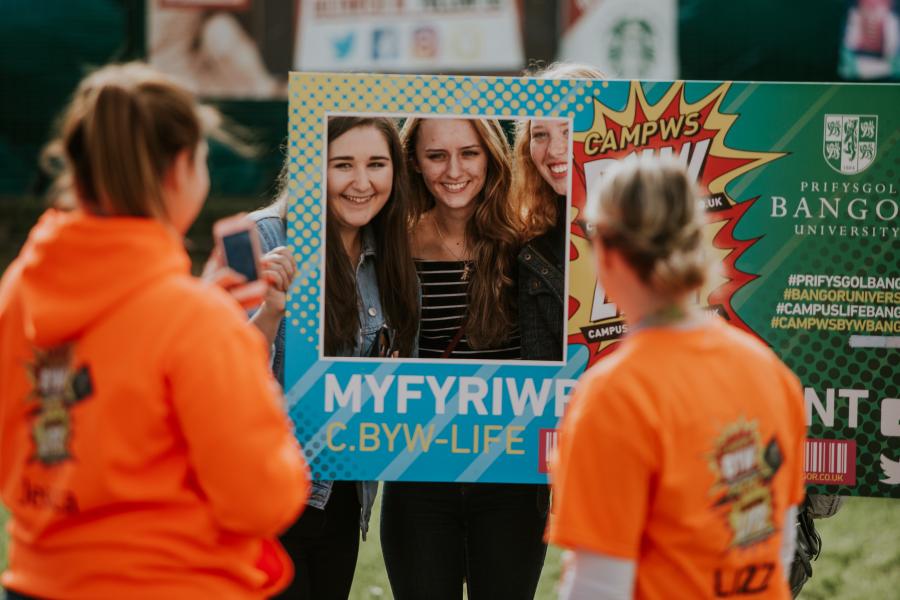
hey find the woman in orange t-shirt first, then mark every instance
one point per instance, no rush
(679, 469)
(144, 449)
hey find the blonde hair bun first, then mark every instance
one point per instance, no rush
(647, 207)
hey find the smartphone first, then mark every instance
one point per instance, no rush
(238, 242)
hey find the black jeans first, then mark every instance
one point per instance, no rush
(324, 545)
(434, 535)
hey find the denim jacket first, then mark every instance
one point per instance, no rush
(273, 233)
(541, 295)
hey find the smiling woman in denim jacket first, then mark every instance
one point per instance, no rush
(371, 309)
(540, 182)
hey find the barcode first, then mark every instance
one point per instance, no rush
(548, 440)
(827, 456)
(830, 461)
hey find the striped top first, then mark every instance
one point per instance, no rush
(444, 301)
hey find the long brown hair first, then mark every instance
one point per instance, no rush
(494, 228)
(536, 200)
(397, 283)
(119, 135)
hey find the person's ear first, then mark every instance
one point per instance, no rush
(179, 171)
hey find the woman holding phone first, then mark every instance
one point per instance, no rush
(540, 184)
(435, 536)
(127, 385)
(371, 309)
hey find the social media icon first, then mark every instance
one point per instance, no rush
(343, 45)
(891, 470)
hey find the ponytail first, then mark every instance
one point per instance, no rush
(120, 134)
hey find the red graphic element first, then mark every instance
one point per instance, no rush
(830, 462)
(693, 133)
(737, 279)
(548, 439)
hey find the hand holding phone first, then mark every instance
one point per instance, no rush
(278, 269)
(238, 245)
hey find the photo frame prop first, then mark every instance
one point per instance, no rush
(800, 185)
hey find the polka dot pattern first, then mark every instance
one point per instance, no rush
(822, 359)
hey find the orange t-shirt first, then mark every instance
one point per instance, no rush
(144, 449)
(682, 452)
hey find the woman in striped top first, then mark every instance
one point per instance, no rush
(445, 292)
(465, 239)
(436, 535)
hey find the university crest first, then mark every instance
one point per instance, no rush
(849, 142)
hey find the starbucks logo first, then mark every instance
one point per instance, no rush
(632, 48)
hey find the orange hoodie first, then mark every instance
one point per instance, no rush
(144, 452)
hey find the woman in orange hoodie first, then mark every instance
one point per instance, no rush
(144, 452)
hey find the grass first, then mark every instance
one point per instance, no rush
(860, 553)
(860, 557)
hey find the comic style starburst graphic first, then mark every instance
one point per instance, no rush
(694, 133)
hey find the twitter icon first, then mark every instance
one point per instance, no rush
(891, 470)
(343, 45)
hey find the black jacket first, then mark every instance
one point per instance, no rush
(541, 292)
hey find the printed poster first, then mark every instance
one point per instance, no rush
(410, 36)
(624, 39)
(870, 49)
(234, 49)
(801, 190)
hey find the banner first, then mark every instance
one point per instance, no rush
(871, 44)
(800, 186)
(235, 49)
(410, 35)
(624, 39)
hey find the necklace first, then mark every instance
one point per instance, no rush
(465, 274)
(670, 315)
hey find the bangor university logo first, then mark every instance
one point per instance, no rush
(849, 142)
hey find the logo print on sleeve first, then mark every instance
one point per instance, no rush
(57, 387)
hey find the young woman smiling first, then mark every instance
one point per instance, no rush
(540, 184)
(465, 238)
(370, 287)
(434, 536)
